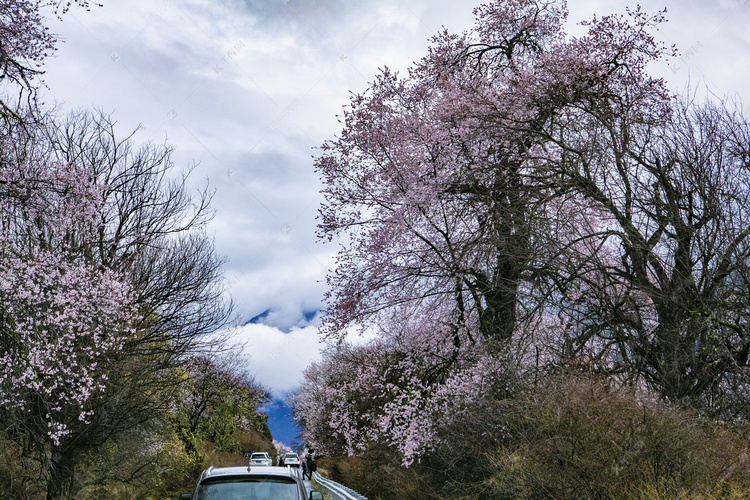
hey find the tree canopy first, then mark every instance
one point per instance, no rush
(108, 280)
(537, 200)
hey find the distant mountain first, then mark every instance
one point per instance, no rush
(274, 318)
(259, 319)
(310, 315)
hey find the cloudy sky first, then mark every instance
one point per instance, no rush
(248, 89)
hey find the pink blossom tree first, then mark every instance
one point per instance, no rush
(25, 42)
(108, 285)
(108, 281)
(145, 229)
(396, 391)
(438, 183)
(519, 179)
(442, 183)
(64, 318)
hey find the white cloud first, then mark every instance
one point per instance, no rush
(278, 358)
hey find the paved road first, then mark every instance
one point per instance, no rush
(308, 487)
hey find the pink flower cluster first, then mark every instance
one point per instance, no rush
(62, 315)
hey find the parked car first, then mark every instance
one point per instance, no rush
(291, 459)
(251, 483)
(260, 458)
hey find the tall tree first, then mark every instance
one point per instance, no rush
(151, 230)
(141, 231)
(662, 290)
(517, 174)
(518, 180)
(109, 280)
(440, 184)
(64, 318)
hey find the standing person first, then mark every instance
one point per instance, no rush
(309, 462)
(304, 468)
(312, 467)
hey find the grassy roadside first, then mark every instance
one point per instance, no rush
(317, 488)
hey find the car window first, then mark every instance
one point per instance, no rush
(263, 488)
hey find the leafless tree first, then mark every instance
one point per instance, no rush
(660, 291)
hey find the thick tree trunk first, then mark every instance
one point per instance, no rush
(498, 318)
(61, 474)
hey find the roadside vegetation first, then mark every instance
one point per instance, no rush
(136, 466)
(574, 437)
(551, 254)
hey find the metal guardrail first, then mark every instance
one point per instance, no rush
(336, 490)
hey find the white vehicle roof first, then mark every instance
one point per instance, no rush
(249, 471)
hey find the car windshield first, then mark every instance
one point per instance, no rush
(260, 488)
(257, 456)
(291, 455)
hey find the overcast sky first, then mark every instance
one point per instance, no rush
(248, 89)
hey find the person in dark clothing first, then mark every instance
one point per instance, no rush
(310, 466)
(313, 467)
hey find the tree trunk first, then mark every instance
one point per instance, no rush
(61, 474)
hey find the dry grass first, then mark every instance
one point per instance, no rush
(579, 437)
(569, 438)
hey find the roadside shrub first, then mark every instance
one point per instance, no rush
(246, 442)
(377, 474)
(567, 437)
(16, 476)
(132, 469)
(578, 437)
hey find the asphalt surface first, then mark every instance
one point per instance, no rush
(308, 486)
